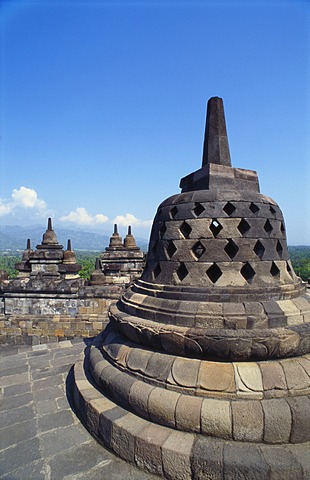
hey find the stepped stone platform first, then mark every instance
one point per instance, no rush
(203, 371)
(186, 436)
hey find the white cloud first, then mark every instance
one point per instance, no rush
(22, 198)
(5, 208)
(129, 219)
(82, 217)
(27, 198)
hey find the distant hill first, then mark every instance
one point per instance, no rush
(14, 238)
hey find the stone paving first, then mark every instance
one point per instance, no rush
(41, 438)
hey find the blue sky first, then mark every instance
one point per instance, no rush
(103, 105)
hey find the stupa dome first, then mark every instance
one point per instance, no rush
(204, 368)
(49, 237)
(218, 280)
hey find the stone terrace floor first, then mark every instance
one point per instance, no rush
(41, 437)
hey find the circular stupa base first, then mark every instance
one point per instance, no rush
(226, 421)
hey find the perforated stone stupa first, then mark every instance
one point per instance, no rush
(204, 369)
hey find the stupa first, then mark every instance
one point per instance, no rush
(49, 261)
(120, 263)
(204, 369)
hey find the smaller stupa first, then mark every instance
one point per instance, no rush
(121, 262)
(49, 259)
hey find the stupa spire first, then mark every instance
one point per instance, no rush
(215, 148)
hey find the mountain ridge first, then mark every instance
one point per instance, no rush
(14, 237)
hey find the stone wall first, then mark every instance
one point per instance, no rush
(37, 317)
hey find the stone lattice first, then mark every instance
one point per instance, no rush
(204, 369)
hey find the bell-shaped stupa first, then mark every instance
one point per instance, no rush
(204, 369)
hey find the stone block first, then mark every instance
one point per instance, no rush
(124, 431)
(248, 420)
(300, 408)
(244, 461)
(282, 464)
(148, 448)
(188, 413)
(106, 420)
(159, 366)
(207, 459)
(162, 405)
(273, 375)
(138, 398)
(278, 421)
(120, 389)
(185, 371)
(138, 359)
(248, 376)
(216, 376)
(296, 377)
(176, 456)
(216, 418)
(93, 410)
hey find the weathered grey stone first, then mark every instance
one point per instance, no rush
(188, 413)
(300, 408)
(248, 420)
(148, 448)
(296, 377)
(139, 396)
(162, 405)
(282, 463)
(185, 371)
(216, 418)
(124, 431)
(176, 455)
(106, 420)
(207, 459)
(273, 376)
(245, 462)
(277, 421)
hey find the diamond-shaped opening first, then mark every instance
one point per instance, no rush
(282, 227)
(254, 208)
(231, 249)
(243, 227)
(247, 272)
(259, 249)
(215, 227)
(275, 272)
(273, 211)
(289, 270)
(268, 227)
(185, 229)
(173, 212)
(157, 270)
(171, 249)
(182, 272)
(198, 209)
(229, 208)
(279, 248)
(214, 273)
(198, 249)
(162, 230)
